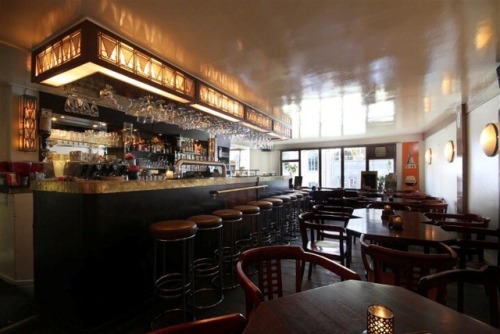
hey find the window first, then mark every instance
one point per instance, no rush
(338, 167)
(309, 167)
(331, 167)
(354, 164)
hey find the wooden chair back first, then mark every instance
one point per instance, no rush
(393, 205)
(324, 234)
(400, 267)
(268, 261)
(463, 219)
(223, 324)
(488, 277)
(333, 209)
(441, 207)
(476, 240)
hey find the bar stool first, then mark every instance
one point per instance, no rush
(173, 268)
(251, 215)
(208, 261)
(300, 202)
(286, 217)
(293, 215)
(263, 236)
(277, 235)
(231, 254)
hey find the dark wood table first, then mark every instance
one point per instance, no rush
(369, 221)
(341, 308)
(415, 231)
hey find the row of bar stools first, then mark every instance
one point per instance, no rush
(277, 231)
(173, 274)
(263, 236)
(230, 253)
(249, 226)
(207, 262)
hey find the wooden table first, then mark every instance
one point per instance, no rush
(341, 308)
(369, 221)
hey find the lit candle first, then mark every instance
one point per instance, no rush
(380, 320)
(170, 174)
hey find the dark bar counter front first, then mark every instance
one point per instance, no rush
(93, 254)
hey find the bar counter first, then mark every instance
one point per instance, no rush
(93, 254)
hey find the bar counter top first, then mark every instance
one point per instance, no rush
(117, 185)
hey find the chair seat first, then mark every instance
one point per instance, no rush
(263, 205)
(275, 201)
(173, 229)
(247, 209)
(206, 221)
(228, 214)
(329, 249)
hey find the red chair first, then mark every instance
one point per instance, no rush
(224, 324)
(268, 261)
(488, 277)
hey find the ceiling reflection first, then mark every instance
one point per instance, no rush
(340, 69)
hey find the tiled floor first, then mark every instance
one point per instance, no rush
(233, 302)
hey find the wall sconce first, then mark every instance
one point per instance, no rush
(380, 320)
(449, 151)
(428, 156)
(27, 124)
(489, 139)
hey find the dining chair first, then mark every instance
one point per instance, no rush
(472, 219)
(433, 206)
(324, 234)
(333, 209)
(223, 324)
(474, 240)
(437, 287)
(393, 205)
(387, 265)
(270, 283)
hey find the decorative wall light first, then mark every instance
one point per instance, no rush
(428, 156)
(449, 151)
(27, 123)
(215, 103)
(489, 139)
(87, 49)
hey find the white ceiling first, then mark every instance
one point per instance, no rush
(276, 53)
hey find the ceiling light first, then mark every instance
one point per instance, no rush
(87, 49)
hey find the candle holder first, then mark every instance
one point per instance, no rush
(380, 320)
(396, 222)
(387, 211)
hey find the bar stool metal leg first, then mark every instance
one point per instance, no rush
(173, 275)
(208, 261)
(230, 219)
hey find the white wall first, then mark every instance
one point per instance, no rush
(483, 181)
(440, 175)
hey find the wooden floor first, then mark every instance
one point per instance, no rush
(233, 302)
